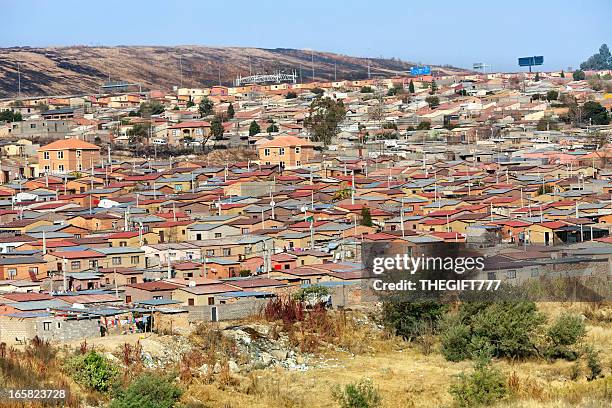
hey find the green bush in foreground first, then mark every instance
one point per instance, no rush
(93, 371)
(358, 395)
(484, 386)
(566, 331)
(148, 391)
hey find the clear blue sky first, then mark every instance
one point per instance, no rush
(446, 31)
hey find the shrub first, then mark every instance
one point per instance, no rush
(407, 318)
(284, 308)
(312, 293)
(565, 332)
(509, 327)
(593, 363)
(358, 395)
(148, 391)
(92, 371)
(455, 338)
(484, 386)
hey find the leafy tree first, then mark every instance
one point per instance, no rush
(317, 91)
(552, 95)
(366, 217)
(411, 87)
(407, 317)
(537, 77)
(595, 113)
(230, 111)
(139, 132)
(190, 103)
(272, 128)
(547, 123)
(599, 139)
(254, 128)
(325, 114)
(433, 87)
(216, 128)
(599, 61)
(395, 90)
(93, 371)
(290, 95)
(42, 107)
(424, 125)
(566, 331)
(147, 109)
(206, 107)
(433, 102)
(9, 116)
(562, 74)
(149, 391)
(315, 292)
(483, 387)
(366, 89)
(578, 75)
(358, 395)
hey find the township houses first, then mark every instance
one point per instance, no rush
(173, 226)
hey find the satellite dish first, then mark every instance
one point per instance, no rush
(192, 284)
(304, 208)
(272, 203)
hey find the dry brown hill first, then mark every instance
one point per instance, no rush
(82, 69)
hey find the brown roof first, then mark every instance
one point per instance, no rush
(155, 286)
(72, 144)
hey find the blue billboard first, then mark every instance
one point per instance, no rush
(424, 70)
(530, 61)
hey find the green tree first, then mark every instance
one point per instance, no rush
(433, 88)
(578, 75)
(216, 128)
(139, 132)
(230, 111)
(92, 370)
(483, 387)
(433, 102)
(254, 128)
(424, 125)
(562, 74)
(407, 317)
(272, 128)
(366, 89)
(411, 87)
(317, 91)
(552, 95)
(599, 61)
(324, 117)
(537, 77)
(595, 113)
(358, 395)
(547, 123)
(9, 116)
(206, 107)
(147, 109)
(290, 95)
(190, 103)
(149, 391)
(366, 217)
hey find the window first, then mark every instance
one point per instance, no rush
(46, 326)
(60, 167)
(298, 163)
(227, 251)
(210, 252)
(281, 151)
(157, 297)
(47, 168)
(297, 150)
(491, 276)
(217, 235)
(190, 302)
(60, 154)
(33, 269)
(116, 260)
(133, 280)
(511, 274)
(93, 264)
(282, 164)
(266, 152)
(32, 125)
(135, 259)
(122, 243)
(79, 167)
(46, 155)
(75, 265)
(78, 153)
(12, 273)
